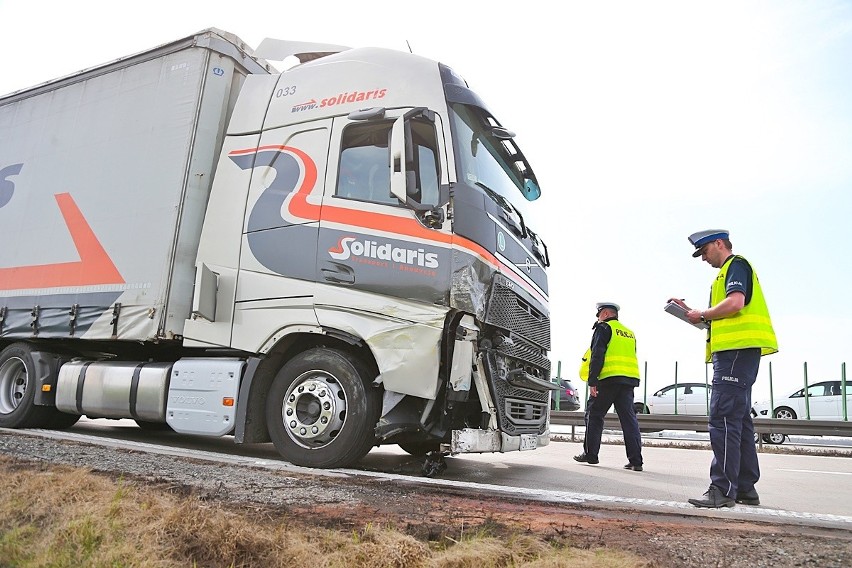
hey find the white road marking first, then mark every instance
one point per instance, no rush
(817, 471)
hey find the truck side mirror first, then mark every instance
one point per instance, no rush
(404, 166)
(403, 158)
(398, 179)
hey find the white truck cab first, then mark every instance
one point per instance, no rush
(330, 258)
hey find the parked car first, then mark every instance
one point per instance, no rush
(691, 398)
(768, 438)
(568, 396)
(824, 401)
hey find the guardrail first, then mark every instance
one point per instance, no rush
(657, 422)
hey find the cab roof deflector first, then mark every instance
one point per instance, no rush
(304, 51)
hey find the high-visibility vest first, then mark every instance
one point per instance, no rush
(620, 359)
(749, 327)
(584, 365)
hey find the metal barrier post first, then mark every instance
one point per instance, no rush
(843, 389)
(771, 413)
(645, 393)
(807, 395)
(675, 389)
(558, 382)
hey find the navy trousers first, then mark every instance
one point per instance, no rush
(734, 468)
(622, 397)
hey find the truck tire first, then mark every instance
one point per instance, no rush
(17, 390)
(321, 410)
(61, 420)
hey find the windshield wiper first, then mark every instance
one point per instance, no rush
(542, 255)
(508, 210)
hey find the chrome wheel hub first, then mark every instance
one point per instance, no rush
(13, 384)
(314, 409)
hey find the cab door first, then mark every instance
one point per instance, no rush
(277, 277)
(369, 241)
(823, 404)
(695, 400)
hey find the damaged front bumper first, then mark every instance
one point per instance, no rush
(472, 441)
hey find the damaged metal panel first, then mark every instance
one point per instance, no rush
(470, 282)
(471, 440)
(407, 351)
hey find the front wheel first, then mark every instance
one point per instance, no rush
(640, 408)
(785, 413)
(321, 410)
(774, 438)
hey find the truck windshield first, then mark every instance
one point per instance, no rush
(488, 157)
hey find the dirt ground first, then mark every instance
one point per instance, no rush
(664, 540)
(344, 502)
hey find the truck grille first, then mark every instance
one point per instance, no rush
(520, 410)
(519, 348)
(509, 311)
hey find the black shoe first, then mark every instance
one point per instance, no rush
(713, 499)
(748, 497)
(585, 458)
(633, 467)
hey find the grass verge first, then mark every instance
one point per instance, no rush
(60, 516)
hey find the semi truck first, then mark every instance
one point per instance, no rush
(329, 258)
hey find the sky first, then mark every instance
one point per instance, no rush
(644, 122)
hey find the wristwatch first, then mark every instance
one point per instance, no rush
(703, 318)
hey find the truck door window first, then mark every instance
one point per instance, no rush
(364, 172)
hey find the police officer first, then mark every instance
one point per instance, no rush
(611, 367)
(740, 333)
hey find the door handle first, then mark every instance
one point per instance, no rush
(338, 273)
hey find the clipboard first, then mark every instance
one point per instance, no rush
(678, 312)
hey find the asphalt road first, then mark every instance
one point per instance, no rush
(800, 489)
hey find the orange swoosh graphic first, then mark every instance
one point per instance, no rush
(94, 267)
(299, 207)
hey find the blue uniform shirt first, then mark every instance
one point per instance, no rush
(739, 278)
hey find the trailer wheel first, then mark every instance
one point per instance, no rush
(321, 410)
(17, 390)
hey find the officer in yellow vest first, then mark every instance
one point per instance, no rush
(612, 370)
(740, 333)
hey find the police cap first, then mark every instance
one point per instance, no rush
(701, 238)
(610, 305)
